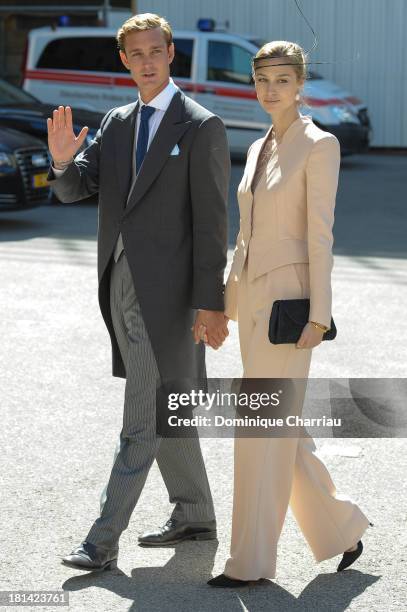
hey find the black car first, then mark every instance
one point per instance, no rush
(24, 163)
(22, 111)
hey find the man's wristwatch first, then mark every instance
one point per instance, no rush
(324, 328)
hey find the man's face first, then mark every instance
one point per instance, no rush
(148, 57)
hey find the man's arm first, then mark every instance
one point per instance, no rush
(209, 179)
(80, 178)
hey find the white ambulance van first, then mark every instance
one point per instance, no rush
(80, 66)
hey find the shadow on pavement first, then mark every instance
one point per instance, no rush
(181, 584)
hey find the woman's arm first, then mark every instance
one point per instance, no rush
(231, 285)
(322, 182)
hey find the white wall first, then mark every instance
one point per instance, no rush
(366, 39)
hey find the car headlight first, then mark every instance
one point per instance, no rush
(344, 114)
(7, 161)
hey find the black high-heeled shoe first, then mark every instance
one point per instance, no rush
(226, 581)
(349, 557)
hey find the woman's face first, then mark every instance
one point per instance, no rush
(276, 86)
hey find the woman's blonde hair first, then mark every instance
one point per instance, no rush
(285, 49)
(140, 23)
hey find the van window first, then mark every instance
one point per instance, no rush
(95, 54)
(228, 62)
(314, 76)
(181, 64)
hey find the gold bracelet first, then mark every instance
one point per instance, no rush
(319, 326)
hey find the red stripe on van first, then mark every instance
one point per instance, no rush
(126, 81)
(354, 100)
(231, 92)
(89, 79)
(69, 77)
(325, 102)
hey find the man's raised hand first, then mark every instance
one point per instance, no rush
(62, 142)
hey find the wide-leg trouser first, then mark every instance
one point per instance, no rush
(272, 473)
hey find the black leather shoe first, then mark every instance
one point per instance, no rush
(349, 557)
(175, 531)
(225, 581)
(89, 557)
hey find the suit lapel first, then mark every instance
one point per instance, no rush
(169, 132)
(245, 195)
(125, 126)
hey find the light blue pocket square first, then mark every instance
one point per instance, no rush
(175, 150)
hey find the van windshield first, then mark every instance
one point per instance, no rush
(93, 54)
(10, 94)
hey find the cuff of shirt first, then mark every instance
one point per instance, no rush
(57, 171)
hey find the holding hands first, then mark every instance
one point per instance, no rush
(211, 326)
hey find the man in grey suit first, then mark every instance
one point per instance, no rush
(161, 167)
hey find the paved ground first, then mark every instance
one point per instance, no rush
(61, 414)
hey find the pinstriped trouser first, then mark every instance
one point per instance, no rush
(179, 459)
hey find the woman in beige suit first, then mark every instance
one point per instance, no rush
(284, 250)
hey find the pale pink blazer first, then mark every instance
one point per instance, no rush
(301, 184)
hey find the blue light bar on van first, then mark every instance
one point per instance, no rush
(64, 20)
(206, 25)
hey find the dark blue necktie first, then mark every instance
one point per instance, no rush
(142, 138)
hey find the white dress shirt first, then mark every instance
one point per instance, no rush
(161, 102)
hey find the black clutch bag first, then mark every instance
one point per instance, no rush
(287, 320)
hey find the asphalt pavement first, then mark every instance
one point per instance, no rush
(62, 410)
